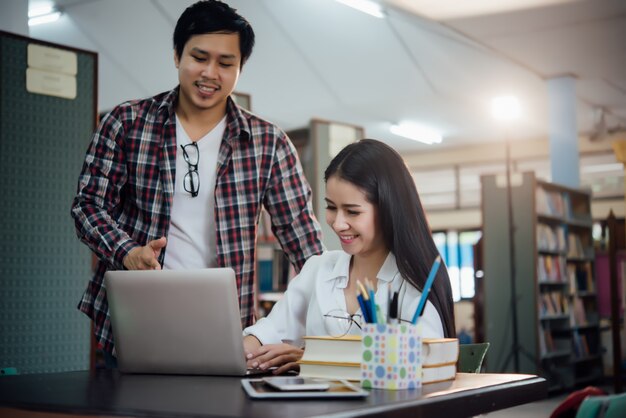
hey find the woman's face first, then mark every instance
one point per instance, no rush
(353, 218)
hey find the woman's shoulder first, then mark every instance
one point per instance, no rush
(324, 261)
(327, 257)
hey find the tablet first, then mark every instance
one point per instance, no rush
(258, 389)
(295, 383)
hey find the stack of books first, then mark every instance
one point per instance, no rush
(340, 358)
(439, 358)
(332, 358)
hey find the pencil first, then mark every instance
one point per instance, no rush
(427, 286)
(359, 298)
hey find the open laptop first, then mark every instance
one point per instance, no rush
(176, 321)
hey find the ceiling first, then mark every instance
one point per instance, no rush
(438, 66)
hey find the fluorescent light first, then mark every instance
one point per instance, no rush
(417, 133)
(43, 14)
(451, 9)
(366, 6)
(505, 108)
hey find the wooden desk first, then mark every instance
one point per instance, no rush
(112, 393)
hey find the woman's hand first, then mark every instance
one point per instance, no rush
(283, 356)
(250, 345)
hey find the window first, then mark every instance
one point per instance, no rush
(457, 251)
(457, 186)
(437, 188)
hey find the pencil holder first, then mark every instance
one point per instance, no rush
(391, 356)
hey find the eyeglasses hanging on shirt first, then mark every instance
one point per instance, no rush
(191, 181)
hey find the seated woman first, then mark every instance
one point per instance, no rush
(373, 206)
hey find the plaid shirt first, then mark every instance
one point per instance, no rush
(126, 188)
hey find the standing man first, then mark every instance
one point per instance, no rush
(178, 180)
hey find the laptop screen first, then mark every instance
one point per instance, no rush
(176, 321)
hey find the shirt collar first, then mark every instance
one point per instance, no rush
(341, 269)
(169, 100)
(237, 126)
(387, 272)
(389, 269)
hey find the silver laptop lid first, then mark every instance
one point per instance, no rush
(176, 321)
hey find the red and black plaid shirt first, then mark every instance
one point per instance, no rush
(126, 187)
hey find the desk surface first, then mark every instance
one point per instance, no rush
(112, 393)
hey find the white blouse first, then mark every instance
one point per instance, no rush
(319, 289)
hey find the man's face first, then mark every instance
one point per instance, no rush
(208, 70)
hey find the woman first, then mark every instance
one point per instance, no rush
(374, 208)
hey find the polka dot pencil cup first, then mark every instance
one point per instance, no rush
(391, 356)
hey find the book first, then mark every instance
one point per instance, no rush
(441, 373)
(438, 351)
(340, 358)
(330, 370)
(346, 349)
(265, 274)
(439, 358)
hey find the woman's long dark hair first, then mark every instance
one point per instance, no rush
(380, 172)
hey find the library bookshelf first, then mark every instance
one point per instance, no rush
(557, 304)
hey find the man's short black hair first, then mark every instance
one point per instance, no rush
(213, 16)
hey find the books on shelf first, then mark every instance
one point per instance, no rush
(553, 303)
(575, 247)
(550, 238)
(550, 268)
(580, 277)
(439, 351)
(273, 268)
(580, 345)
(265, 273)
(578, 316)
(549, 203)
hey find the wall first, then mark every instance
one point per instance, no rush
(14, 16)
(44, 267)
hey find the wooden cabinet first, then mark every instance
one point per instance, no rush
(556, 299)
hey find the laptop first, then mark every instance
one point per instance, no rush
(176, 321)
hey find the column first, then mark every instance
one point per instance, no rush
(562, 131)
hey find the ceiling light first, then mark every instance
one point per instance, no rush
(43, 14)
(366, 6)
(417, 133)
(505, 108)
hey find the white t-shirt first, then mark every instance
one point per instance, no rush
(191, 238)
(319, 289)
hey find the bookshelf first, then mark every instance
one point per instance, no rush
(558, 319)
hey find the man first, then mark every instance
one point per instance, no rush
(178, 180)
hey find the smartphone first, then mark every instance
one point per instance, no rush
(290, 383)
